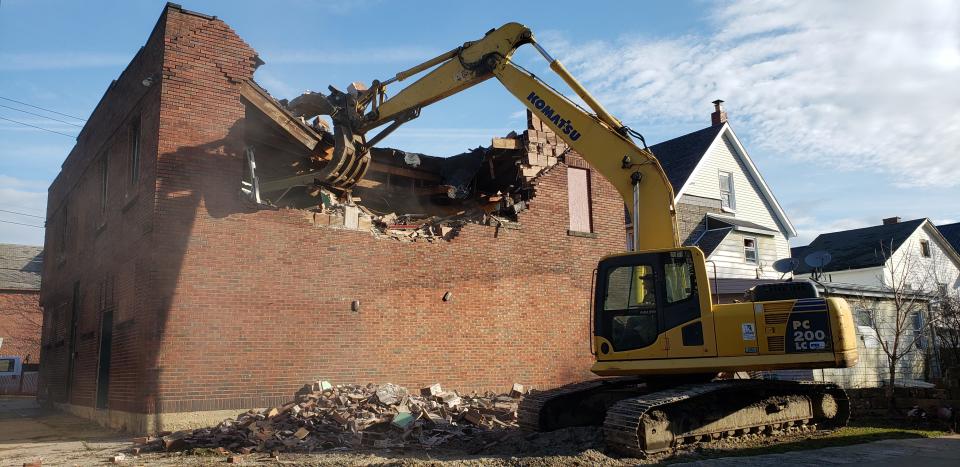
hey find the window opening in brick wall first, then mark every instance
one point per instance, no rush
(728, 199)
(578, 196)
(925, 248)
(104, 161)
(64, 234)
(135, 150)
(750, 250)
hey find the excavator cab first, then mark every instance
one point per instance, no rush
(654, 314)
(641, 295)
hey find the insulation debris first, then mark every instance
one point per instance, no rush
(325, 417)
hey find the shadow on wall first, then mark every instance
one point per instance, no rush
(194, 185)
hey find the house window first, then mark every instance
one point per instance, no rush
(863, 317)
(918, 337)
(104, 161)
(750, 250)
(925, 248)
(728, 199)
(578, 196)
(135, 150)
(64, 234)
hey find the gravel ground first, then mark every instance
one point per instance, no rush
(28, 434)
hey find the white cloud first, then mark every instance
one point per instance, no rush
(351, 56)
(852, 85)
(277, 87)
(33, 61)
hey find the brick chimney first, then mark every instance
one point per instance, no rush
(719, 115)
(891, 220)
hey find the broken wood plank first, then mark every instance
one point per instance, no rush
(263, 102)
(404, 172)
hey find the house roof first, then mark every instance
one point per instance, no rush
(858, 248)
(799, 252)
(20, 266)
(680, 156)
(717, 221)
(710, 239)
(951, 232)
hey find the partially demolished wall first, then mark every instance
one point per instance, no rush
(220, 305)
(403, 195)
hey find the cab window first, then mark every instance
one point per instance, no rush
(630, 301)
(678, 272)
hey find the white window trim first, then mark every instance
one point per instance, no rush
(756, 250)
(733, 192)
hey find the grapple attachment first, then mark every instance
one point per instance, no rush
(351, 156)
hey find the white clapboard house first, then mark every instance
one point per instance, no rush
(725, 207)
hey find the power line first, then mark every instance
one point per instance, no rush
(41, 108)
(23, 214)
(21, 223)
(35, 211)
(38, 127)
(40, 115)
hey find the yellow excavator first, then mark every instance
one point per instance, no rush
(658, 337)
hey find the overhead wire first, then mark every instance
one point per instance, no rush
(40, 115)
(21, 223)
(23, 214)
(41, 108)
(37, 127)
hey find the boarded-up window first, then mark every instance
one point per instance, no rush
(135, 150)
(727, 198)
(104, 171)
(578, 196)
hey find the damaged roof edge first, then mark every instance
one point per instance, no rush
(405, 195)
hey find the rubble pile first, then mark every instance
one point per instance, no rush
(324, 417)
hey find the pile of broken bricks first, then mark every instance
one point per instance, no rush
(342, 417)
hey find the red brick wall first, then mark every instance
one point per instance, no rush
(229, 308)
(20, 320)
(107, 254)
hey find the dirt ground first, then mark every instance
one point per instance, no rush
(29, 434)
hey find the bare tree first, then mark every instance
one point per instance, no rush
(908, 284)
(947, 329)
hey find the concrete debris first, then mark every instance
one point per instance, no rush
(327, 417)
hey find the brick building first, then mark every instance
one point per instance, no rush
(170, 300)
(20, 317)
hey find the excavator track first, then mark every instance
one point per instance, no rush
(567, 405)
(661, 420)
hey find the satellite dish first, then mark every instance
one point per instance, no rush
(818, 259)
(785, 265)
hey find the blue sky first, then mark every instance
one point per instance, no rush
(850, 109)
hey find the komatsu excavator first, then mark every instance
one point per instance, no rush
(657, 334)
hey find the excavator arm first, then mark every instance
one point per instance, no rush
(597, 137)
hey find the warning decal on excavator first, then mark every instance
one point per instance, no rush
(808, 329)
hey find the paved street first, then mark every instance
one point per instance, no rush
(28, 434)
(917, 452)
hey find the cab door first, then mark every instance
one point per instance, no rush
(686, 328)
(627, 308)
